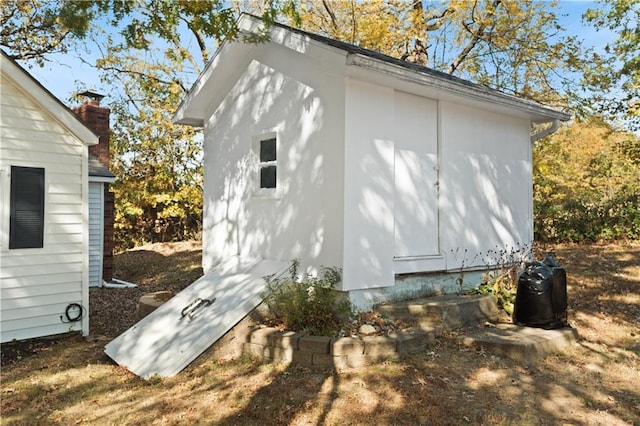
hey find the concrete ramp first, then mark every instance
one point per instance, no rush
(167, 340)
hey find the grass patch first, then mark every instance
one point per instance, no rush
(593, 382)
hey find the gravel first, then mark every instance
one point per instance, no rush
(154, 267)
(112, 310)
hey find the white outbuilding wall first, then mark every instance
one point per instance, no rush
(430, 185)
(371, 179)
(384, 169)
(369, 188)
(486, 185)
(288, 96)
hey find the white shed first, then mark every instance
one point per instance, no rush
(339, 156)
(44, 190)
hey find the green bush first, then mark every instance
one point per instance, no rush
(579, 220)
(587, 184)
(309, 304)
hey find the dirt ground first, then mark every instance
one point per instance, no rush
(597, 381)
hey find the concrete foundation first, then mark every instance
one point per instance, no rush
(524, 344)
(448, 312)
(413, 286)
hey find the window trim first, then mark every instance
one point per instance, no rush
(256, 144)
(268, 164)
(14, 242)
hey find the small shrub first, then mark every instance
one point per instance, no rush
(308, 304)
(463, 264)
(502, 285)
(501, 278)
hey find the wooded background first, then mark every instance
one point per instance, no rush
(586, 176)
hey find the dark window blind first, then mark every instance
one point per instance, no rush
(27, 207)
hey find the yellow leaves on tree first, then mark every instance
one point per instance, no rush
(587, 183)
(513, 46)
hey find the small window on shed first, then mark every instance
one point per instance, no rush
(27, 208)
(268, 163)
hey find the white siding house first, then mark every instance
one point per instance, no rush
(339, 156)
(44, 192)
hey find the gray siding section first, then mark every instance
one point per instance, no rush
(96, 230)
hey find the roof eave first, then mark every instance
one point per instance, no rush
(102, 179)
(188, 121)
(190, 112)
(467, 90)
(185, 114)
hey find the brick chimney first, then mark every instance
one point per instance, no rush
(97, 119)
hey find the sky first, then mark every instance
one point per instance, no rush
(66, 74)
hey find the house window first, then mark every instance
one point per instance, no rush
(27, 207)
(268, 163)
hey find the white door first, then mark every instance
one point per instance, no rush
(168, 339)
(415, 176)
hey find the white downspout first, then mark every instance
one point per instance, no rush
(555, 125)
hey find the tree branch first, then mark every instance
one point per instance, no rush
(199, 39)
(477, 36)
(332, 15)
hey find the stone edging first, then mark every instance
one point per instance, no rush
(273, 345)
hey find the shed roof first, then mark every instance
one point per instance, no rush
(44, 98)
(99, 172)
(360, 62)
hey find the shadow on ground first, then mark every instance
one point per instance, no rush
(593, 382)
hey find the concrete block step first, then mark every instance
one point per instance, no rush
(524, 344)
(448, 312)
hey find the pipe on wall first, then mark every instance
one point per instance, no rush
(555, 125)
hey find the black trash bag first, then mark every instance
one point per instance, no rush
(541, 297)
(558, 290)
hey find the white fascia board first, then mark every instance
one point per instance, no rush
(222, 70)
(471, 91)
(205, 91)
(39, 95)
(103, 179)
(193, 108)
(185, 112)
